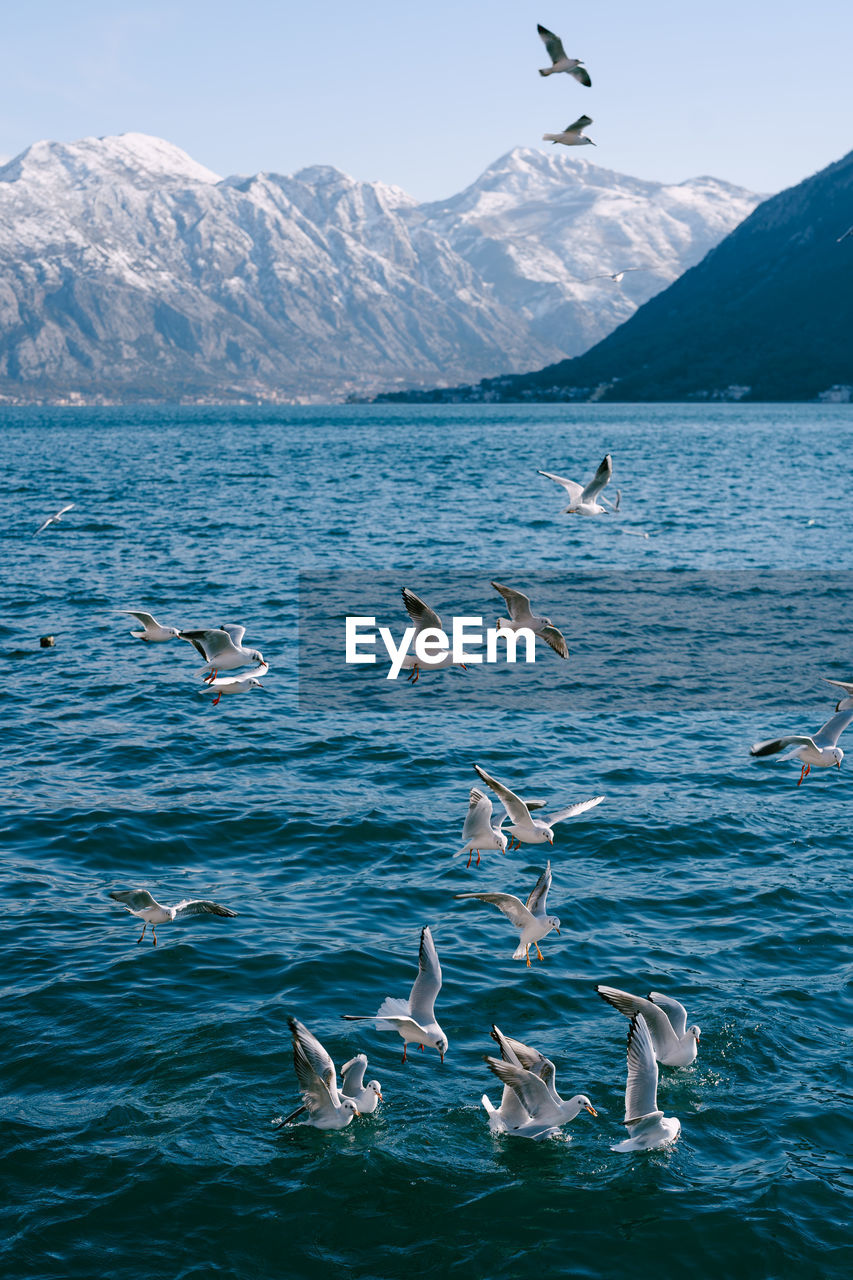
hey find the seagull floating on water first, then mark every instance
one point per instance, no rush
(512, 1114)
(520, 615)
(237, 684)
(152, 631)
(559, 61)
(54, 518)
(414, 1019)
(327, 1108)
(648, 1127)
(222, 649)
(528, 917)
(477, 831)
(582, 501)
(352, 1086)
(820, 750)
(524, 828)
(140, 903)
(675, 1044)
(539, 1112)
(572, 135)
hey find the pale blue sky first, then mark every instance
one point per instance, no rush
(426, 95)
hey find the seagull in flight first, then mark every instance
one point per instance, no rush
(222, 649)
(140, 903)
(414, 1019)
(54, 518)
(151, 629)
(846, 703)
(572, 135)
(524, 828)
(820, 750)
(521, 615)
(616, 276)
(539, 1111)
(327, 1108)
(675, 1044)
(424, 619)
(528, 917)
(647, 1126)
(237, 684)
(584, 501)
(559, 61)
(477, 831)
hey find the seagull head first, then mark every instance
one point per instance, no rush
(441, 1046)
(348, 1105)
(581, 1100)
(554, 922)
(838, 755)
(695, 1032)
(377, 1089)
(258, 657)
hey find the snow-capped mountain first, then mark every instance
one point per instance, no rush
(127, 270)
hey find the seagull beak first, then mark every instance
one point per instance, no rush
(838, 764)
(557, 931)
(358, 1113)
(379, 1096)
(441, 1055)
(592, 1111)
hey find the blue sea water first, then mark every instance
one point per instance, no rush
(138, 1084)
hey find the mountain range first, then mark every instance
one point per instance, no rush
(130, 272)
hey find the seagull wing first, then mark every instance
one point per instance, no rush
(352, 1074)
(515, 807)
(428, 982)
(421, 614)
(673, 1009)
(478, 819)
(653, 1016)
(582, 75)
(536, 902)
(572, 488)
(602, 475)
(580, 123)
(134, 899)
(530, 1089)
(641, 1091)
(315, 1070)
(145, 618)
(773, 745)
(829, 733)
(846, 685)
(555, 639)
(573, 810)
(200, 907)
(235, 632)
(527, 1057)
(211, 642)
(512, 907)
(516, 601)
(552, 43)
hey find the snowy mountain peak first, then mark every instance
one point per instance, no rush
(132, 158)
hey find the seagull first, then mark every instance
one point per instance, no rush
(820, 750)
(647, 1126)
(414, 1019)
(528, 917)
(140, 903)
(559, 61)
(315, 1071)
(524, 828)
(365, 1096)
(511, 1114)
(424, 618)
(617, 276)
(237, 684)
(675, 1044)
(478, 832)
(846, 703)
(572, 135)
(222, 649)
(538, 1111)
(54, 518)
(520, 615)
(582, 502)
(152, 631)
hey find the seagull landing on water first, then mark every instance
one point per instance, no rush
(528, 917)
(820, 750)
(477, 831)
(140, 903)
(520, 615)
(584, 501)
(222, 649)
(54, 518)
(572, 135)
(524, 828)
(675, 1044)
(537, 1111)
(236, 684)
(559, 61)
(414, 1019)
(648, 1127)
(327, 1108)
(365, 1096)
(151, 629)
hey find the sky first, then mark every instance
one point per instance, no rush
(425, 96)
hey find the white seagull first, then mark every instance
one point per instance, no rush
(414, 1019)
(318, 1081)
(151, 629)
(237, 684)
(424, 618)
(559, 61)
(582, 502)
(647, 1126)
(528, 917)
(512, 1115)
(477, 831)
(365, 1096)
(54, 518)
(820, 750)
(539, 1111)
(521, 615)
(222, 649)
(616, 276)
(675, 1044)
(846, 703)
(140, 903)
(572, 135)
(524, 828)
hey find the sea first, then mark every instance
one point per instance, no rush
(139, 1085)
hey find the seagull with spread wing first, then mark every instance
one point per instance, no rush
(616, 276)
(55, 518)
(222, 649)
(675, 1044)
(425, 619)
(538, 1111)
(327, 1108)
(140, 903)
(820, 750)
(529, 917)
(583, 501)
(647, 1125)
(559, 61)
(521, 615)
(151, 631)
(572, 135)
(477, 831)
(524, 828)
(414, 1019)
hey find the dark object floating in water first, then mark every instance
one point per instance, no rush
(47, 642)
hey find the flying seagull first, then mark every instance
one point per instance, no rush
(477, 831)
(821, 750)
(318, 1081)
(151, 629)
(559, 61)
(583, 501)
(675, 1044)
(539, 1111)
(222, 649)
(140, 903)
(648, 1127)
(54, 518)
(617, 276)
(524, 828)
(528, 917)
(520, 615)
(237, 684)
(414, 1019)
(424, 619)
(572, 135)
